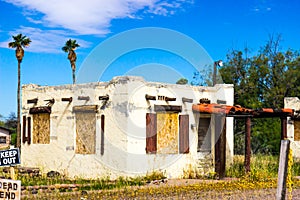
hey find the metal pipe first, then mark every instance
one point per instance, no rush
(247, 144)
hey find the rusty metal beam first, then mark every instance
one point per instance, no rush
(247, 144)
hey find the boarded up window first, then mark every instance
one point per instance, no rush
(85, 130)
(204, 135)
(183, 134)
(151, 136)
(41, 128)
(297, 130)
(167, 133)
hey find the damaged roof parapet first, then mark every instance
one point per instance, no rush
(125, 79)
(149, 97)
(105, 97)
(34, 101)
(70, 99)
(85, 98)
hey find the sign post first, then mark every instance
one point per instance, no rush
(10, 189)
(9, 157)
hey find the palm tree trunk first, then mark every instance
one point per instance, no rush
(73, 73)
(18, 143)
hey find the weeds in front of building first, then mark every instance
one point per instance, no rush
(263, 176)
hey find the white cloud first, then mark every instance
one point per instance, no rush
(45, 41)
(58, 20)
(92, 16)
(262, 6)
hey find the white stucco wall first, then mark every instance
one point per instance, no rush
(125, 127)
(293, 103)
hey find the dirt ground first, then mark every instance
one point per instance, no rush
(170, 189)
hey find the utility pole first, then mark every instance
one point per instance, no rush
(218, 63)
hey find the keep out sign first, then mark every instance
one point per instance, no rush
(10, 189)
(9, 157)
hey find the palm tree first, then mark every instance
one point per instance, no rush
(19, 42)
(70, 47)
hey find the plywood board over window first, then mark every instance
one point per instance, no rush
(41, 128)
(297, 130)
(167, 133)
(85, 129)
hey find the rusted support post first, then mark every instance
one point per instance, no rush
(283, 128)
(247, 144)
(282, 170)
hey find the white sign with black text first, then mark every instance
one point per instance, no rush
(10, 189)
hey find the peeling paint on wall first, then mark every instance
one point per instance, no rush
(167, 133)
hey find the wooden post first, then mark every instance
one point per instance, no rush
(283, 128)
(220, 145)
(12, 173)
(282, 171)
(247, 144)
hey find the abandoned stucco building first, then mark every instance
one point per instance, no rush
(125, 127)
(293, 124)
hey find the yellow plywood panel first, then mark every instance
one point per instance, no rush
(297, 130)
(85, 132)
(167, 133)
(41, 128)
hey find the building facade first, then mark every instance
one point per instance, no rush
(125, 127)
(293, 124)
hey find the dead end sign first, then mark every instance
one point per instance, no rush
(9, 157)
(10, 189)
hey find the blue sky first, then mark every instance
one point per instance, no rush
(218, 26)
